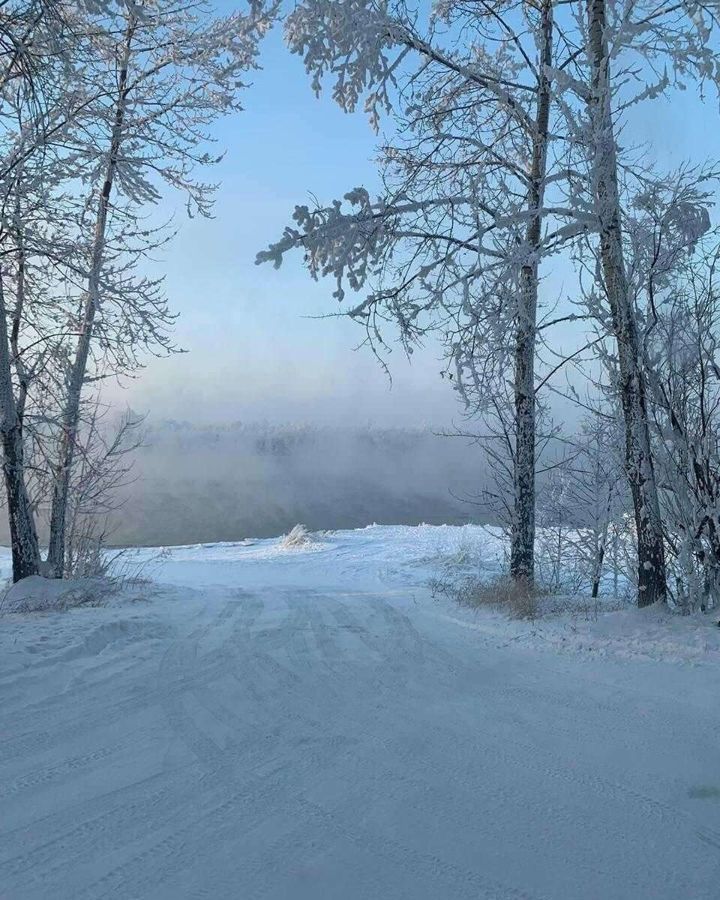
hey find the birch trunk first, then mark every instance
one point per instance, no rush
(76, 378)
(522, 550)
(23, 534)
(638, 454)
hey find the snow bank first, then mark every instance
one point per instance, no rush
(401, 561)
(631, 633)
(38, 594)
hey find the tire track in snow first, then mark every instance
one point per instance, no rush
(47, 775)
(161, 829)
(671, 817)
(171, 852)
(149, 809)
(168, 853)
(429, 865)
(175, 680)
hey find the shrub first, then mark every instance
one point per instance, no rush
(518, 599)
(299, 536)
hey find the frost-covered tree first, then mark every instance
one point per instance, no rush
(664, 220)
(682, 334)
(39, 101)
(163, 73)
(633, 51)
(475, 184)
(431, 254)
(104, 107)
(595, 495)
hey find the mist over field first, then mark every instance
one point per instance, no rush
(257, 480)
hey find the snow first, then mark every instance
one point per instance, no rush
(310, 723)
(38, 594)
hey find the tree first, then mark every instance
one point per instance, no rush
(103, 470)
(687, 415)
(164, 73)
(645, 36)
(102, 107)
(455, 242)
(37, 105)
(596, 497)
(633, 390)
(683, 364)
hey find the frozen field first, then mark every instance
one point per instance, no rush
(312, 725)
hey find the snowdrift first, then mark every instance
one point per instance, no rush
(38, 594)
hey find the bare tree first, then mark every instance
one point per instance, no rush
(38, 101)
(627, 53)
(165, 72)
(103, 469)
(455, 243)
(633, 390)
(102, 106)
(25, 550)
(684, 374)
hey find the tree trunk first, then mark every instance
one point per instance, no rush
(522, 550)
(638, 453)
(23, 534)
(597, 575)
(76, 378)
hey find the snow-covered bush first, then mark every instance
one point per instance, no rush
(39, 594)
(299, 536)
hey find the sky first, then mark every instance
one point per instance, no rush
(256, 350)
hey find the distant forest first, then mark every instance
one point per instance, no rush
(192, 484)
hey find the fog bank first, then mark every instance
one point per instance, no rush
(226, 483)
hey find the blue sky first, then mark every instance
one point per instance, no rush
(253, 351)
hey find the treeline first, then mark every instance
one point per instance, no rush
(506, 153)
(192, 484)
(172, 483)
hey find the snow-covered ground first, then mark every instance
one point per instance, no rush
(311, 723)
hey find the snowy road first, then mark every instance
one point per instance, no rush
(344, 739)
